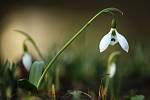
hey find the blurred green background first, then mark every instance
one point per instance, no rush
(52, 23)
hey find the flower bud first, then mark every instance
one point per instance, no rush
(27, 60)
(112, 70)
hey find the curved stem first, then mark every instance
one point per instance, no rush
(32, 42)
(112, 59)
(81, 92)
(92, 98)
(109, 10)
(37, 49)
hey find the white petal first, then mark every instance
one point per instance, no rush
(112, 70)
(104, 43)
(122, 41)
(27, 61)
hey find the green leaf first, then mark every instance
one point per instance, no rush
(25, 84)
(36, 72)
(137, 97)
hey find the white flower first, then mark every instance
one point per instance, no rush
(112, 70)
(111, 38)
(27, 60)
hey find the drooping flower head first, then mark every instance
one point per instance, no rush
(112, 38)
(27, 58)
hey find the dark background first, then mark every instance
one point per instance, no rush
(64, 18)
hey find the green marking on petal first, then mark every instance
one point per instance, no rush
(113, 33)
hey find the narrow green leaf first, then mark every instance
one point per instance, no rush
(36, 72)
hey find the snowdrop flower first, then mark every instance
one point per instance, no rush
(112, 70)
(27, 60)
(112, 38)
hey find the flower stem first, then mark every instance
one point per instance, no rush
(32, 42)
(104, 94)
(107, 10)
